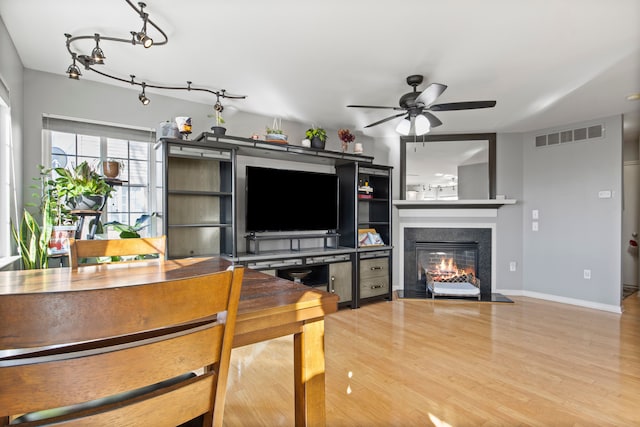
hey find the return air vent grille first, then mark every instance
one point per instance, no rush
(573, 135)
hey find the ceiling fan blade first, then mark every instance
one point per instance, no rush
(433, 120)
(385, 120)
(430, 94)
(470, 105)
(375, 106)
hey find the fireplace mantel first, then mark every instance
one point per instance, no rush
(453, 204)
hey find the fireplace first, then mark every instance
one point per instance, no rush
(447, 261)
(446, 253)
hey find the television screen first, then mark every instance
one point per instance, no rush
(288, 200)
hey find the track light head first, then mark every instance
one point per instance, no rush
(143, 97)
(97, 55)
(144, 39)
(74, 71)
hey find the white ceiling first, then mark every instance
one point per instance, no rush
(546, 63)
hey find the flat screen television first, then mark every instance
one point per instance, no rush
(290, 200)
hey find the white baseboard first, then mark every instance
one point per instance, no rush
(563, 300)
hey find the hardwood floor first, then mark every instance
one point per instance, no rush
(456, 363)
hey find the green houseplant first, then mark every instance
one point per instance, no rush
(218, 129)
(317, 136)
(275, 132)
(81, 187)
(131, 231)
(32, 240)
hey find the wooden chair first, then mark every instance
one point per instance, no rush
(90, 249)
(149, 355)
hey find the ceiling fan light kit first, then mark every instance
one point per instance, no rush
(416, 107)
(141, 37)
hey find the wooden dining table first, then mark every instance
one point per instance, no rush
(269, 307)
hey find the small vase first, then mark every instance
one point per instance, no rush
(87, 202)
(111, 169)
(345, 146)
(218, 130)
(317, 142)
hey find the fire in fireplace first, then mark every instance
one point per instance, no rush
(447, 261)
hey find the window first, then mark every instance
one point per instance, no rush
(69, 143)
(6, 169)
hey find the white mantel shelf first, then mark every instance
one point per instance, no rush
(453, 204)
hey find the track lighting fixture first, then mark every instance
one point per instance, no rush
(73, 70)
(145, 40)
(141, 37)
(143, 97)
(97, 55)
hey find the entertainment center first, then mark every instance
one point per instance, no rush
(318, 217)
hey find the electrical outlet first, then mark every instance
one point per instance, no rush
(535, 214)
(512, 266)
(587, 274)
(534, 226)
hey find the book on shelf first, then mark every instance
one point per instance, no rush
(369, 237)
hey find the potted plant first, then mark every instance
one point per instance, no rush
(32, 240)
(111, 167)
(346, 137)
(218, 129)
(317, 136)
(275, 133)
(131, 231)
(82, 187)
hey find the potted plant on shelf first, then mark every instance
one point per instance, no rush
(82, 188)
(317, 136)
(275, 133)
(218, 129)
(111, 167)
(346, 137)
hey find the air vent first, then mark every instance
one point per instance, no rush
(572, 135)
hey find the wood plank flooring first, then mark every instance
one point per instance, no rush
(456, 363)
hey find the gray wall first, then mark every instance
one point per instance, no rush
(509, 160)
(473, 181)
(47, 93)
(577, 229)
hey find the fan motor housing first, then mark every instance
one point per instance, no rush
(408, 100)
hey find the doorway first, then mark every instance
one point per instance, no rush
(630, 227)
(631, 205)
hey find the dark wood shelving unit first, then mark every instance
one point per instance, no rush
(199, 213)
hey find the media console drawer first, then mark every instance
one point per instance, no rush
(374, 277)
(374, 267)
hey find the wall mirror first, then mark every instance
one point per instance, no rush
(448, 167)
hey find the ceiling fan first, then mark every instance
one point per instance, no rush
(417, 106)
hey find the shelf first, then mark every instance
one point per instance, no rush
(253, 147)
(374, 200)
(453, 204)
(197, 225)
(200, 193)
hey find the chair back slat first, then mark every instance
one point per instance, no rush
(142, 335)
(72, 316)
(81, 250)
